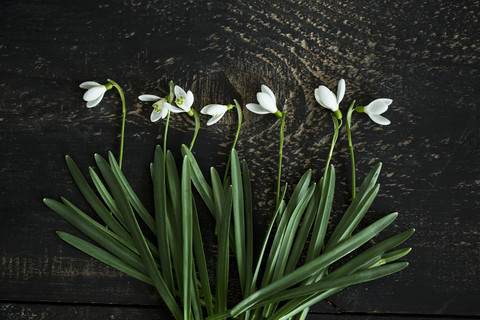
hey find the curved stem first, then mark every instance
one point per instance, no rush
(240, 117)
(124, 114)
(337, 124)
(169, 99)
(350, 146)
(280, 156)
(197, 128)
(165, 135)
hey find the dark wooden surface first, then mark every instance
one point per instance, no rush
(422, 54)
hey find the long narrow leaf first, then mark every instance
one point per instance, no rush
(97, 233)
(248, 211)
(223, 252)
(103, 256)
(310, 268)
(140, 241)
(107, 198)
(93, 200)
(201, 261)
(161, 220)
(132, 197)
(238, 217)
(187, 228)
(199, 181)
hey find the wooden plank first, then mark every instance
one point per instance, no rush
(424, 55)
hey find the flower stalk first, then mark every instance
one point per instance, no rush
(280, 157)
(350, 147)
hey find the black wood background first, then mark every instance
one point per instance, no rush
(424, 54)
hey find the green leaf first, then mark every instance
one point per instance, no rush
(248, 212)
(352, 216)
(132, 197)
(238, 217)
(132, 224)
(332, 283)
(323, 214)
(122, 248)
(199, 181)
(223, 253)
(107, 198)
(160, 204)
(187, 239)
(312, 267)
(93, 200)
(103, 256)
(201, 261)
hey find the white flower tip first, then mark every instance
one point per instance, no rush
(340, 90)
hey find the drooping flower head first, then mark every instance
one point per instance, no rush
(329, 100)
(160, 111)
(183, 100)
(95, 92)
(217, 111)
(375, 108)
(266, 103)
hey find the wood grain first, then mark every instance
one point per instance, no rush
(422, 54)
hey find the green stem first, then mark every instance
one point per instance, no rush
(169, 98)
(350, 146)
(240, 117)
(124, 114)
(165, 135)
(280, 156)
(197, 128)
(337, 123)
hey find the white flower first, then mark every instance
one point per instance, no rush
(183, 101)
(160, 107)
(328, 99)
(267, 103)
(94, 94)
(376, 108)
(216, 111)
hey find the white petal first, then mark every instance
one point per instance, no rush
(266, 102)
(256, 108)
(326, 98)
(149, 97)
(269, 92)
(340, 90)
(379, 119)
(93, 103)
(378, 106)
(155, 116)
(179, 92)
(215, 119)
(213, 109)
(94, 92)
(173, 108)
(189, 100)
(89, 84)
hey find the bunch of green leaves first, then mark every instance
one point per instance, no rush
(292, 271)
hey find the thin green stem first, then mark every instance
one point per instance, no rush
(197, 128)
(350, 146)
(337, 124)
(124, 114)
(166, 132)
(240, 117)
(280, 156)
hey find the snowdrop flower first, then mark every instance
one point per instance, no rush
(184, 101)
(216, 111)
(160, 107)
(374, 110)
(267, 103)
(329, 100)
(95, 92)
